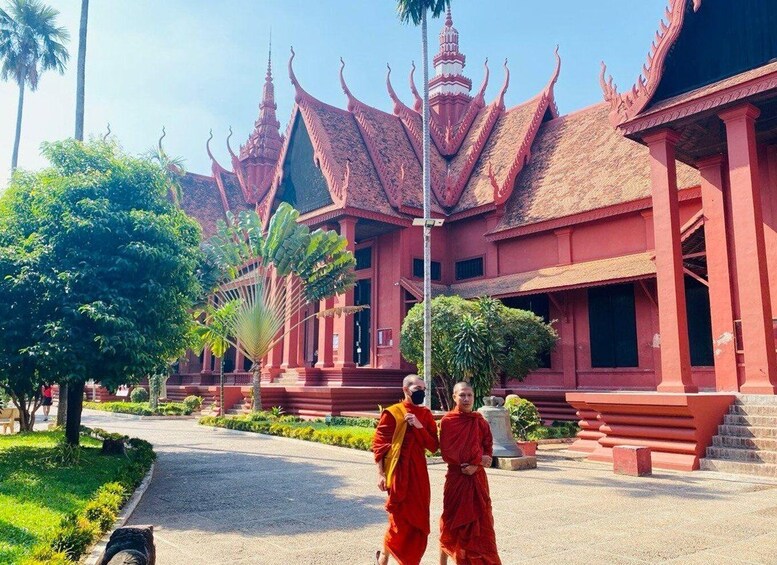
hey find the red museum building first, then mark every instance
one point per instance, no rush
(645, 226)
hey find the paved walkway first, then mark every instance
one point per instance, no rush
(220, 497)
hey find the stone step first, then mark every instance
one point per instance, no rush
(754, 410)
(750, 420)
(739, 467)
(747, 455)
(756, 399)
(739, 442)
(747, 431)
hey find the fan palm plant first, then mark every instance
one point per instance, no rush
(415, 11)
(269, 275)
(30, 44)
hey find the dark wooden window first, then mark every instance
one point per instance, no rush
(363, 258)
(469, 268)
(612, 321)
(697, 305)
(418, 269)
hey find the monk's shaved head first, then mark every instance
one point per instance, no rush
(411, 380)
(464, 396)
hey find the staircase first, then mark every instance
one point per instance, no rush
(747, 440)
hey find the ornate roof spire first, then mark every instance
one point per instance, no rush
(449, 89)
(264, 143)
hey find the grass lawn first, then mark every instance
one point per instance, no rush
(35, 493)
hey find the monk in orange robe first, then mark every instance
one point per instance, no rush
(467, 522)
(404, 432)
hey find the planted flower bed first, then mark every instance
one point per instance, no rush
(55, 501)
(355, 433)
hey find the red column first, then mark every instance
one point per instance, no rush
(239, 359)
(672, 316)
(343, 325)
(721, 310)
(325, 330)
(752, 277)
(291, 329)
(206, 360)
(275, 356)
(568, 346)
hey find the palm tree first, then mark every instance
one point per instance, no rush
(212, 325)
(415, 11)
(81, 76)
(271, 274)
(30, 44)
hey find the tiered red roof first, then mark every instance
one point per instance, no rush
(525, 161)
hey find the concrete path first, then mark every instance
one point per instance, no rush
(220, 497)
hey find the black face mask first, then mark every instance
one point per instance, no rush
(418, 397)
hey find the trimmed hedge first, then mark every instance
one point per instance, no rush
(78, 531)
(139, 394)
(308, 431)
(142, 408)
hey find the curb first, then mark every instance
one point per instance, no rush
(98, 550)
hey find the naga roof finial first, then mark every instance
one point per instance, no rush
(344, 86)
(107, 133)
(506, 83)
(418, 106)
(482, 91)
(216, 167)
(229, 147)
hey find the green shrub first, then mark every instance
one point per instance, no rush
(193, 403)
(358, 422)
(139, 394)
(75, 536)
(524, 417)
(45, 555)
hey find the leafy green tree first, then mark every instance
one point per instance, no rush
(271, 273)
(21, 372)
(415, 11)
(31, 43)
(477, 341)
(117, 264)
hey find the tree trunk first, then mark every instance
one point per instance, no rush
(26, 409)
(154, 386)
(81, 76)
(15, 156)
(75, 403)
(427, 374)
(222, 409)
(62, 405)
(257, 374)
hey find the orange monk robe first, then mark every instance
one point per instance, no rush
(467, 523)
(409, 494)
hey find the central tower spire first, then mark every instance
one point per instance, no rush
(449, 89)
(261, 152)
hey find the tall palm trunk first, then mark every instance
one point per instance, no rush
(257, 374)
(221, 388)
(15, 156)
(427, 227)
(81, 77)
